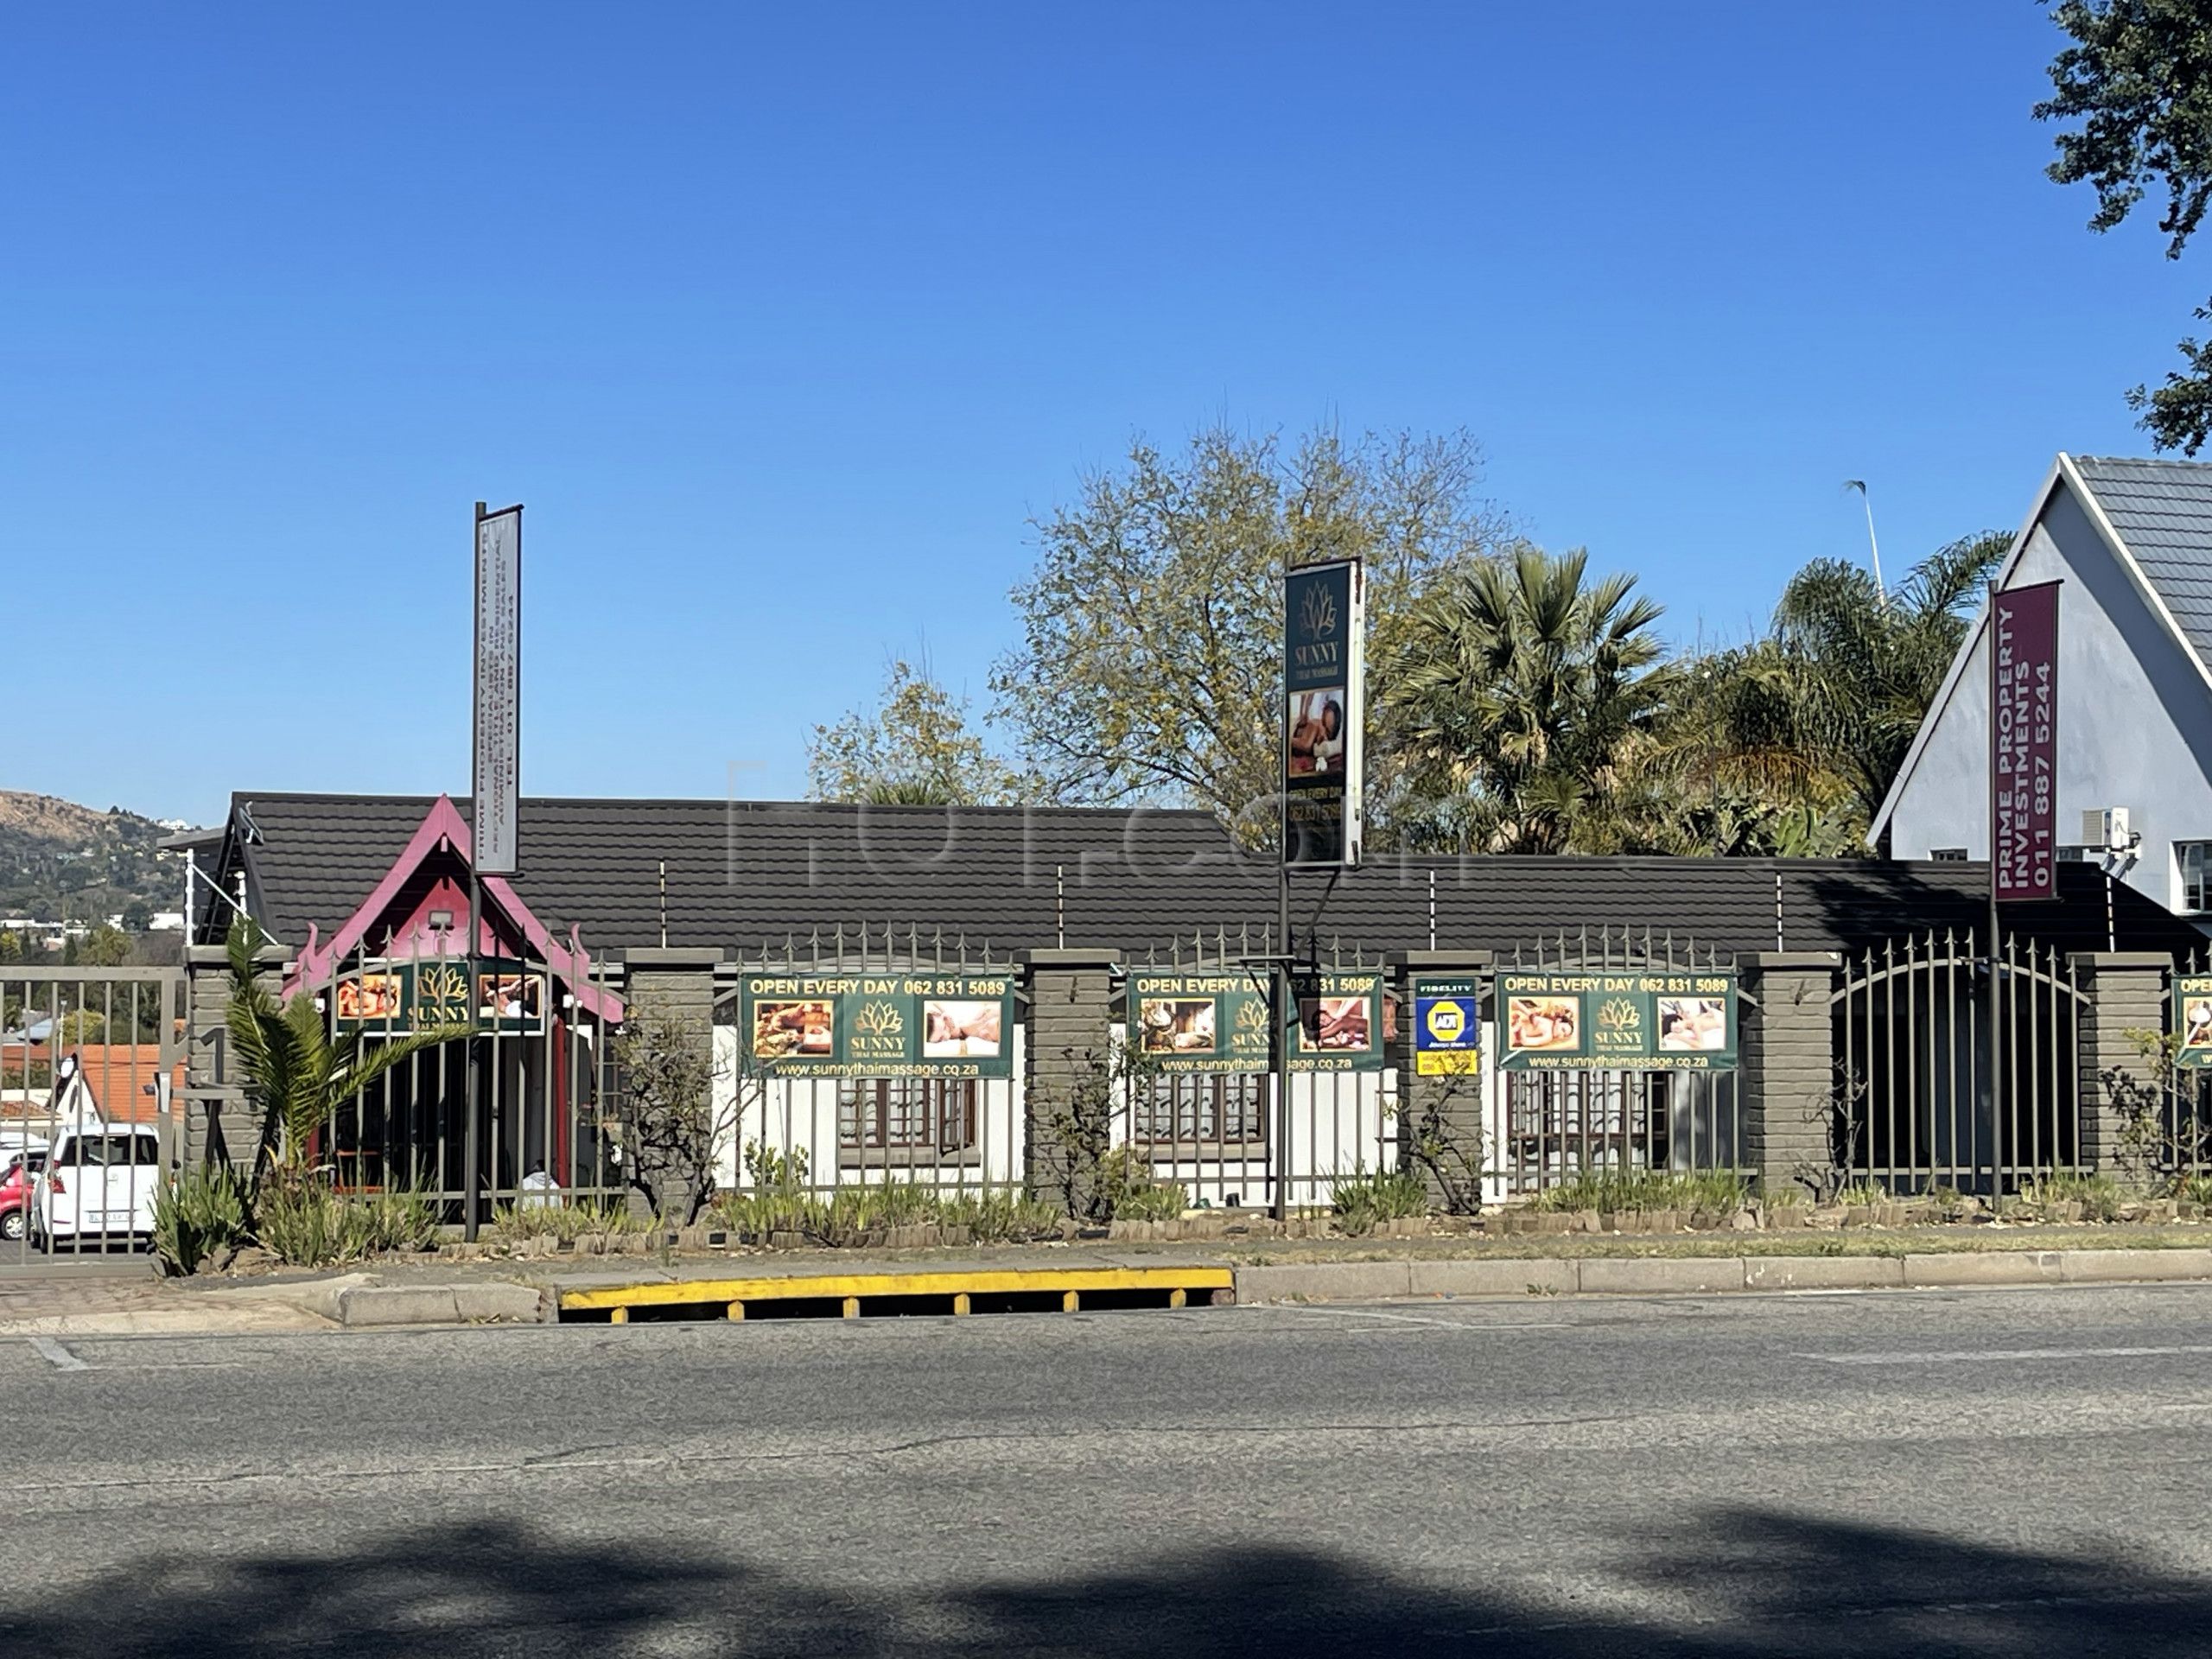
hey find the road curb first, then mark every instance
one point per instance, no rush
(1597, 1275)
(362, 1306)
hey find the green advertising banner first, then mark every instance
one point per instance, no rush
(1626, 1021)
(398, 997)
(884, 1024)
(2192, 1022)
(1218, 1022)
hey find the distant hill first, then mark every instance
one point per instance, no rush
(62, 861)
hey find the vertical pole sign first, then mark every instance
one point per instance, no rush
(1323, 683)
(2023, 799)
(498, 688)
(494, 784)
(1325, 627)
(2024, 743)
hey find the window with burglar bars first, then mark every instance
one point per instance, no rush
(1199, 1108)
(938, 1113)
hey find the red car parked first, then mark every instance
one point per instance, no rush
(15, 1193)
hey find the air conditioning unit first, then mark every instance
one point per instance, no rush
(2106, 829)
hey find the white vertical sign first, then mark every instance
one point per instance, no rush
(496, 779)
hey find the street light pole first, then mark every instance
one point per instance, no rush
(1873, 547)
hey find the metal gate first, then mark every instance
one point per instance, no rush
(1551, 1127)
(544, 1083)
(91, 1060)
(1915, 1082)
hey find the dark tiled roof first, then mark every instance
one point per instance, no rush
(745, 875)
(2163, 511)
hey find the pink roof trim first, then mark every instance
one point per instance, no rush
(444, 826)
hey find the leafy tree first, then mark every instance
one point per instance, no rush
(1522, 696)
(915, 749)
(2139, 77)
(1149, 662)
(138, 916)
(105, 947)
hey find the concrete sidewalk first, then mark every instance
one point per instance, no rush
(435, 1291)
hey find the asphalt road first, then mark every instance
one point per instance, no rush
(1988, 1472)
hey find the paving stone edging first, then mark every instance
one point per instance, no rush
(1344, 1282)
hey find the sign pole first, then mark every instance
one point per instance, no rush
(1282, 1010)
(495, 800)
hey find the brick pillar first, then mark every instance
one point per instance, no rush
(1445, 1112)
(215, 1119)
(1070, 1025)
(678, 981)
(1787, 1084)
(2125, 991)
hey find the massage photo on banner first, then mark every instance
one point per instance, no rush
(960, 1030)
(1318, 742)
(1692, 1025)
(783, 1030)
(1543, 1024)
(1168, 1025)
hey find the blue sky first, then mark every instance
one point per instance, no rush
(783, 322)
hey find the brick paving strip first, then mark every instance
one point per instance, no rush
(436, 1290)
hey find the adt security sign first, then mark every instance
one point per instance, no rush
(1447, 1028)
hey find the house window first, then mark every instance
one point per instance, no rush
(933, 1114)
(2082, 855)
(1948, 855)
(1200, 1108)
(2195, 858)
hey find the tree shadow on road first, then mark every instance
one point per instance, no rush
(1740, 1583)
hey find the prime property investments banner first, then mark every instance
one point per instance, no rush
(1325, 627)
(2024, 743)
(1579, 1021)
(880, 1025)
(2192, 1022)
(397, 997)
(1218, 1022)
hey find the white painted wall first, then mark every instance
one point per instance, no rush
(800, 1115)
(2134, 718)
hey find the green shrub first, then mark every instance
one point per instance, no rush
(1361, 1200)
(1126, 1183)
(406, 1219)
(566, 1222)
(1720, 1190)
(2194, 1189)
(303, 1222)
(2099, 1196)
(1865, 1191)
(203, 1215)
(1000, 1217)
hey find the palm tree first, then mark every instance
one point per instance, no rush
(294, 1067)
(1858, 675)
(1523, 697)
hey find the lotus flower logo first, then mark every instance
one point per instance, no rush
(879, 1020)
(1252, 1015)
(1317, 612)
(1619, 1015)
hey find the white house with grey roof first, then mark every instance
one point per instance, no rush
(2132, 541)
